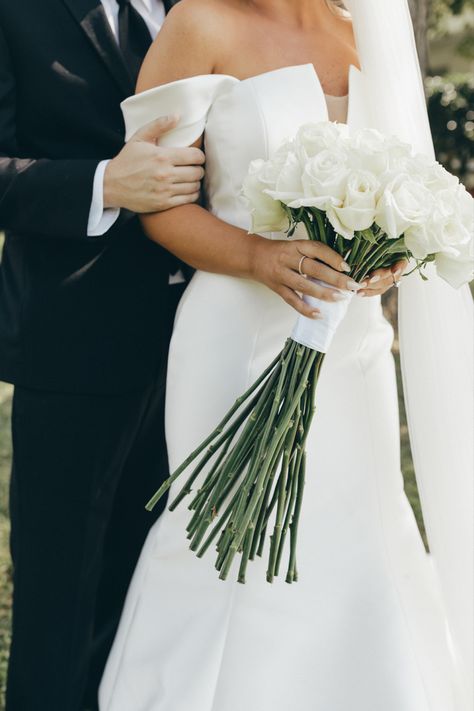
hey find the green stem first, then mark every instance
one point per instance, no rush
(242, 524)
(216, 432)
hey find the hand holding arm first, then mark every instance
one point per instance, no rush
(53, 197)
(145, 177)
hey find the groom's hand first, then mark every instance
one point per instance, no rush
(145, 177)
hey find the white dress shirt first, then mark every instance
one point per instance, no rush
(153, 12)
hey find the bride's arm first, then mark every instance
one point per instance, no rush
(187, 46)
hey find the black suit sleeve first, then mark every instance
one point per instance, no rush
(38, 196)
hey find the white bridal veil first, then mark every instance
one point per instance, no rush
(435, 339)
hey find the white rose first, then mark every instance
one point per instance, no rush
(403, 204)
(457, 266)
(463, 205)
(419, 240)
(324, 180)
(267, 214)
(368, 150)
(431, 173)
(312, 138)
(288, 186)
(451, 224)
(454, 212)
(398, 152)
(358, 209)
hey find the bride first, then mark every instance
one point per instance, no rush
(365, 627)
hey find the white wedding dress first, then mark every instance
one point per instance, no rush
(363, 629)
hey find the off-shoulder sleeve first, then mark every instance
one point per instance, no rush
(190, 98)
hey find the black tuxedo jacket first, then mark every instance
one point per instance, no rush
(77, 314)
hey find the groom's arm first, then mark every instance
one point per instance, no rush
(43, 196)
(54, 197)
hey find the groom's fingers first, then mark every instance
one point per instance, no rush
(178, 200)
(188, 174)
(184, 156)
(186, 188)
(152, 132)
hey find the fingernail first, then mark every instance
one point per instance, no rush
(354, 286)
(397, 273)
(361, 294)
(345, 267)
(338, 296)
(374, 279)
(316, 314)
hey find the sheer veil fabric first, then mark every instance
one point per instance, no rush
(435, 323)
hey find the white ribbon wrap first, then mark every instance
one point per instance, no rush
(318, 333)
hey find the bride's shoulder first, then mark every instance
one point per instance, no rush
(202, 17)
(188, 44)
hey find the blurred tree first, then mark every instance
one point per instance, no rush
(419, 11)
(429, 15)
(440, 8)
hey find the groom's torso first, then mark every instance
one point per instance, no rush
(85, 315)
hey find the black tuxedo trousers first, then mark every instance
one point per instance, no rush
(84, 331)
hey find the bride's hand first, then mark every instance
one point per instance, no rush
(382, 280)
(277, 264)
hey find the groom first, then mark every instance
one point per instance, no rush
(85, 318)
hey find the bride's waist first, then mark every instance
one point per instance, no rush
(234, 298)
(222, 311)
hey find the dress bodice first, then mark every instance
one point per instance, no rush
(241, 120)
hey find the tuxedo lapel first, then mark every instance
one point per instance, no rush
(91, 17)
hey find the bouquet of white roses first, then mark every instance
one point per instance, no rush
(369, 198)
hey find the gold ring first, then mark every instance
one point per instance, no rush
(301, 264)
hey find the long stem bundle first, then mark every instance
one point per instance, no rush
(255, 458)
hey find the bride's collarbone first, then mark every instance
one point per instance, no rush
(331, 65)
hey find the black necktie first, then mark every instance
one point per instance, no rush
(134, 37)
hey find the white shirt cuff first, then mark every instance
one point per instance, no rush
(100, 219)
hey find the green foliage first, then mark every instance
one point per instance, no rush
(451, 111)
(440, 8)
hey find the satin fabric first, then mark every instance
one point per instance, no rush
(364, 628)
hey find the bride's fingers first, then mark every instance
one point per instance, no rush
(321, 252)
(380, 282)
(308, 287)
(292, 298)
(380, 288)
(338, 280)
(389, 274)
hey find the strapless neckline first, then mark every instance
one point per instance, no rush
(337, 107)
